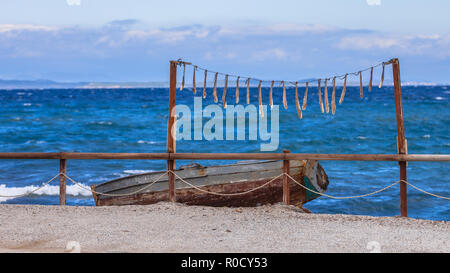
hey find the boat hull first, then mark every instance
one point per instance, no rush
(227, 181)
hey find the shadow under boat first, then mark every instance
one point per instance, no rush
(223, 179)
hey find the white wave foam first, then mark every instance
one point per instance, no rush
(426, 136)
(27, 104)
(101, 122)
(146, 142)
(361, 137)
(105, 122)
(35, 141)
(98, 179)
(120, 175)
(72, 190)
(136, 171)
(439, 98)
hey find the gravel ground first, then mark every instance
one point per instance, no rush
(167, 227)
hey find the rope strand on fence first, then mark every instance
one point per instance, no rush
(342, 197)
(223, 194)
(33, 191)
(367, 194)
(259, 187)
(424, 191)
(113, 194)
(227, 194)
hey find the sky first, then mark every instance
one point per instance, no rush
(133, 40)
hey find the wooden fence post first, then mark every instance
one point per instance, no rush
(171, 138)
(286, 190)
(62, 182)
(401, 140)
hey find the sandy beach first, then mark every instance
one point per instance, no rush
(167, 227)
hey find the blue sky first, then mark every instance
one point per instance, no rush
(110, 40)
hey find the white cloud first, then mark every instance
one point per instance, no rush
(370, 42)
(292, 51)
(74, 2)
(294, 28)
(282, 29)
(170, 36)
(274, 42)
(433, 45)
(373, 2)
(24, 27)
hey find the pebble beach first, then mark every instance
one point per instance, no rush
(173, 227)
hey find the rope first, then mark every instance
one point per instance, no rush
(180, 62)
(227, 194)
(342, 197)
(112, 194)
(224, 194)
(367, 194)
(31, 192)
(424, 191)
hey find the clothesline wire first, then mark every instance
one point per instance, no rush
(341, 77)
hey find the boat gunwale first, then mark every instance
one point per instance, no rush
(177, 179)
(202, 167)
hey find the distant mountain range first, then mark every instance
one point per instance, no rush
(49, 84)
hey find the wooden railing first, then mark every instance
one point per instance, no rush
(230, 156)
(171, 157)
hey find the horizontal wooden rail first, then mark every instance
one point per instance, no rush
(230, 156)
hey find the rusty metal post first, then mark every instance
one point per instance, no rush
(171, 138)
(62, 182)
(286, 190)
(401, 140)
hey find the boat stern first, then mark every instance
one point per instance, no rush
(315, 179)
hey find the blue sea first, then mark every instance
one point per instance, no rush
(134, 120)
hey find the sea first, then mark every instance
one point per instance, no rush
(135, 120)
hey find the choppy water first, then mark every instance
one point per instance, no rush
(134, 120)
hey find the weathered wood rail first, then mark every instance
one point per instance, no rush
(230, 156)
(286, 156)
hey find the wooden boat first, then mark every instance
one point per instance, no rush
(224, 179)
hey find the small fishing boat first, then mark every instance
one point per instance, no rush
(222, 180)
